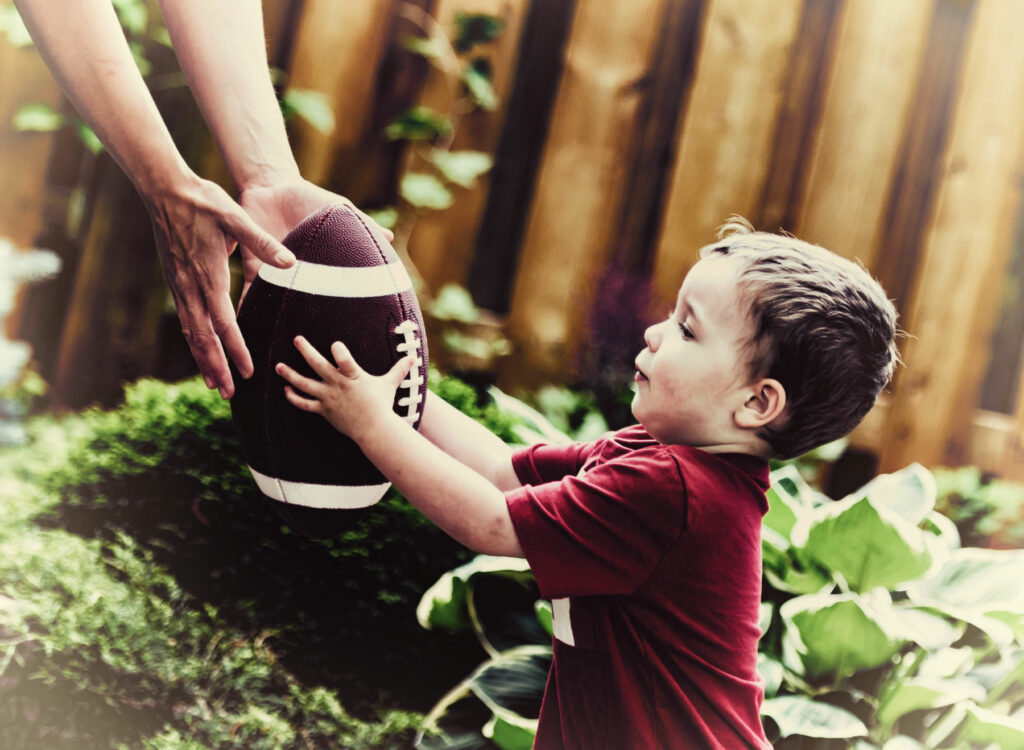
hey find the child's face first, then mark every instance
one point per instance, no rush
(691, 374)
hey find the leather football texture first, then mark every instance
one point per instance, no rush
(347, 285)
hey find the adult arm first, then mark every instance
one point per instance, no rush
(230, 79)
(196, 224)
(463, 499)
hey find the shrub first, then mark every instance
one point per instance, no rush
(162, 477)
(101, 648)
(988, 511)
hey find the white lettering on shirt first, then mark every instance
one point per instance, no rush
(561, 622)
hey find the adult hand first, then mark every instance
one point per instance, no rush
(197, 226)
(280, 206)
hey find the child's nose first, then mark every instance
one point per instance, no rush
(653, 336)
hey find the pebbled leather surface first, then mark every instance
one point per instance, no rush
(277, 438)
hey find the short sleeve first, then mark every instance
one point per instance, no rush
(603, 532)
(548, 463)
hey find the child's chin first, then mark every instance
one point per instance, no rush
(636, 409)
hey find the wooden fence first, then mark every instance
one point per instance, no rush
(625, 131)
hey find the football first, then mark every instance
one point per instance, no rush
(347, 285)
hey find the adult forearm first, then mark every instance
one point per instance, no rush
(222, 50)
(469, 442)
(459, 500)
(86, 51)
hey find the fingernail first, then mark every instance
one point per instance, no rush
(223, 392)
(285, 258)
(208, 380)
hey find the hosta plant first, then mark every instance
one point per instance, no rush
(882, 631)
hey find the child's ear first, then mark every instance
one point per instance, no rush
(766, 400)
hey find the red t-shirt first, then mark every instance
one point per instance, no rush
(651, 555)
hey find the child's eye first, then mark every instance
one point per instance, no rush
(687, 333)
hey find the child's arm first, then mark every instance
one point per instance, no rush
(469, 442)
(466, 504)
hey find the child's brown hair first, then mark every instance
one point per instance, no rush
(823, 327)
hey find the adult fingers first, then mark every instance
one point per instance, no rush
(222, 318)
(257, 241)
(205, 286)
(202, 339)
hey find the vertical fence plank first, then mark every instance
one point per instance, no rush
(965, 251)
(519, 150)
(1013, 460)
(879, 48)
(799, 114)
(442, 242)
(582, 177)
(924, 141)
(112, 323)
(24, 79)
(338, 50)
(726, 131)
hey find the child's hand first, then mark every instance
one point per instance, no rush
(348, 397)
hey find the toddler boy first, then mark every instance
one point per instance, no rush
(647, 540)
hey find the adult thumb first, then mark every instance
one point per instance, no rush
(259, 242)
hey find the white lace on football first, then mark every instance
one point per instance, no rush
(408, 329)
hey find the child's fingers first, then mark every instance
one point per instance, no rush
(347, 364)
(304, 384)
(306, 404)
(400, 369)
(316, 360)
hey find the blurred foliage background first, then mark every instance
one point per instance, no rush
(550, 168)
(561, 163)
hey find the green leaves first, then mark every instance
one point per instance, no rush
(510, 683)
(425, 191)
(886, 597)
(837, 635)
(312, 106)
(871, 538)
(421, 124)
(979, 580)
(988, 728)
(478, 76)
(461, 167)
(418, 124)
(133, 15)
(866, 543)
(920, 693)
(475, 28)
(510, 731)
(795, 714)
(13, 27)
(510, 686)
(443, 605)
(38, 118)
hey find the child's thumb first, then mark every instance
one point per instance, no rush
(400, 369)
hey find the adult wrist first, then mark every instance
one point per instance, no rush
(269, 174)
(156, 183)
